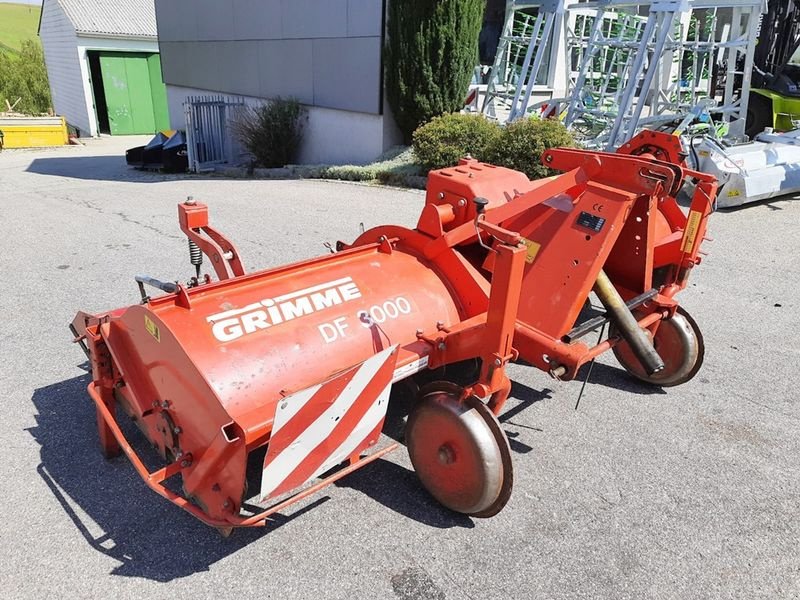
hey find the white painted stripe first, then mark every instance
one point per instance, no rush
(282, 465)
(311, 290)
(234, 312)
(368, 422)
(411, 368)
(293, 404)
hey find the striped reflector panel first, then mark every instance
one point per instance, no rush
(320, 427)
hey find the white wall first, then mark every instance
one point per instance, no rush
(60, 46)
(331, 136)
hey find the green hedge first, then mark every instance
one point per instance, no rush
(445, 140)
(522, 143)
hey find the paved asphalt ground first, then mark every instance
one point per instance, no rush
(692, 492)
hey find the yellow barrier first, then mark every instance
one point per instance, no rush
(33, 132)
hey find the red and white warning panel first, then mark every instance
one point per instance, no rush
(322, 426)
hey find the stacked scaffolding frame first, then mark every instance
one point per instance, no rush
(632, 64)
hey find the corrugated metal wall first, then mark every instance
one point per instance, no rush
(326, 53)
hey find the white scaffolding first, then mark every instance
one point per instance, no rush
(631, 64)
(523, 56)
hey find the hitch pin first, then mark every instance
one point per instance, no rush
(480, 210)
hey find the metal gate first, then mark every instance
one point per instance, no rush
(208, 133)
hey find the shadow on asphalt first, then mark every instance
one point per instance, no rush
(615, 378)
(119, 517)
(97, 168)
(527, 397)
(110, 505)
(398, 489)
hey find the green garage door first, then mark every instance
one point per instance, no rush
(135, 93)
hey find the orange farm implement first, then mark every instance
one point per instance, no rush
(293, 367)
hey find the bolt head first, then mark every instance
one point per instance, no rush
(462, 202)
(498, 362)
(442, 346)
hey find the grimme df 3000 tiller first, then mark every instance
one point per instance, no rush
(294, 365)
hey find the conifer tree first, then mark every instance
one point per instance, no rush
(431, 52)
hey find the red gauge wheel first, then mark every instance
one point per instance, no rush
(459, 451)
(679, 343)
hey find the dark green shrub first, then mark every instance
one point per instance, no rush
(23, 80)
(272, 132)
(431, 52)
(449, 138)
(521, 144)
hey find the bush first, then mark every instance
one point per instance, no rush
(431, 52)
(449, 138)
(272, 132)
(521, 144)
(23, 77)
(394, 167)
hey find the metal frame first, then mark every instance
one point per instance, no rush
(646, 56)
(510, 84)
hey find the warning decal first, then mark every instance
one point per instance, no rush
(690, 235)
(152, 328)
(533, 250)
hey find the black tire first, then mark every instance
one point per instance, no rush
(759, 114)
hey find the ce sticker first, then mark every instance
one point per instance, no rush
(598, 208)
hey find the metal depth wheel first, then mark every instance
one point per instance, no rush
(679, 343)
(459, 451)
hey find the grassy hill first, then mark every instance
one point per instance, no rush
(18, 22)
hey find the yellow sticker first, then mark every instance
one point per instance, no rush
(690, 235)
(704, 153)
(533, 250)
(734, 193)
(152, 328)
